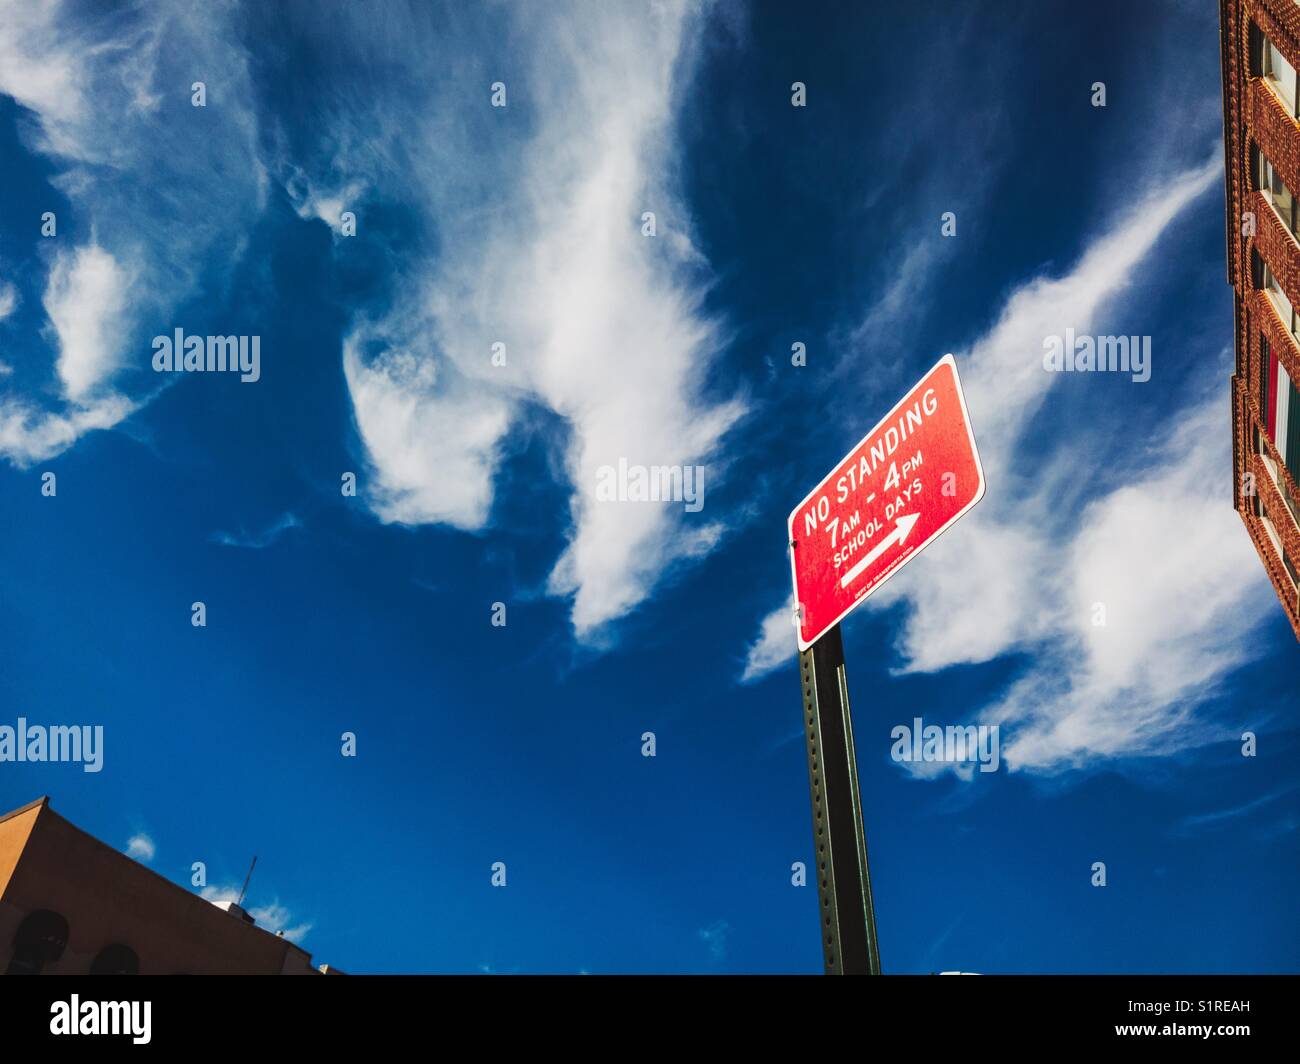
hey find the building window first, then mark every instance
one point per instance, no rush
(1269, 283)
(1271, 184)
(40, 940)
(1265, 366)
(1278, 74)
(1281, 409)
(1286, 426)
(1279, 403)
(1267, 522)
(116, 959)
(1292, 573)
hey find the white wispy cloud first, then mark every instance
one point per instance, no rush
(602, 325)
(276, 919)
(141, 847)
(85, 299)
(29, 433)
(258, 540)
(8, 303)
(38, 69)
(155, 186)
(1002, 373)
(273, 917)
(433, 442)
(1162, 553)
(775, 645)
(318, 201)
(715, 938)
(1179, 582)
(1191, 824)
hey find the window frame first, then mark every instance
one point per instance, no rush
(1263, 60)
(1290, 319)
(1266, 178)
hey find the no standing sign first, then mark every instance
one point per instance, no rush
(911, 477)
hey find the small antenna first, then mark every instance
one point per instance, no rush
(246, 879)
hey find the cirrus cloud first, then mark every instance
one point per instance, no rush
(1161, 552)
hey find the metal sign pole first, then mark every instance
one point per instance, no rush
(848, 920)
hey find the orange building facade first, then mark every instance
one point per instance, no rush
(1261, 126)
(72, 905)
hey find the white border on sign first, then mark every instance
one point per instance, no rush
(979, 494)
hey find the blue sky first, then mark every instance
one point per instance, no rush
(522, 225)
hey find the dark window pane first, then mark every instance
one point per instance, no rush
(116, 960)
(40, 940)
(1265, 368)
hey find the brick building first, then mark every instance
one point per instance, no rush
(70, 904)
(1261, 136)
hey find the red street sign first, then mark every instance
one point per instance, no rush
(910, 478)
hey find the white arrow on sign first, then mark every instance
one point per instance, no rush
(902, 526)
